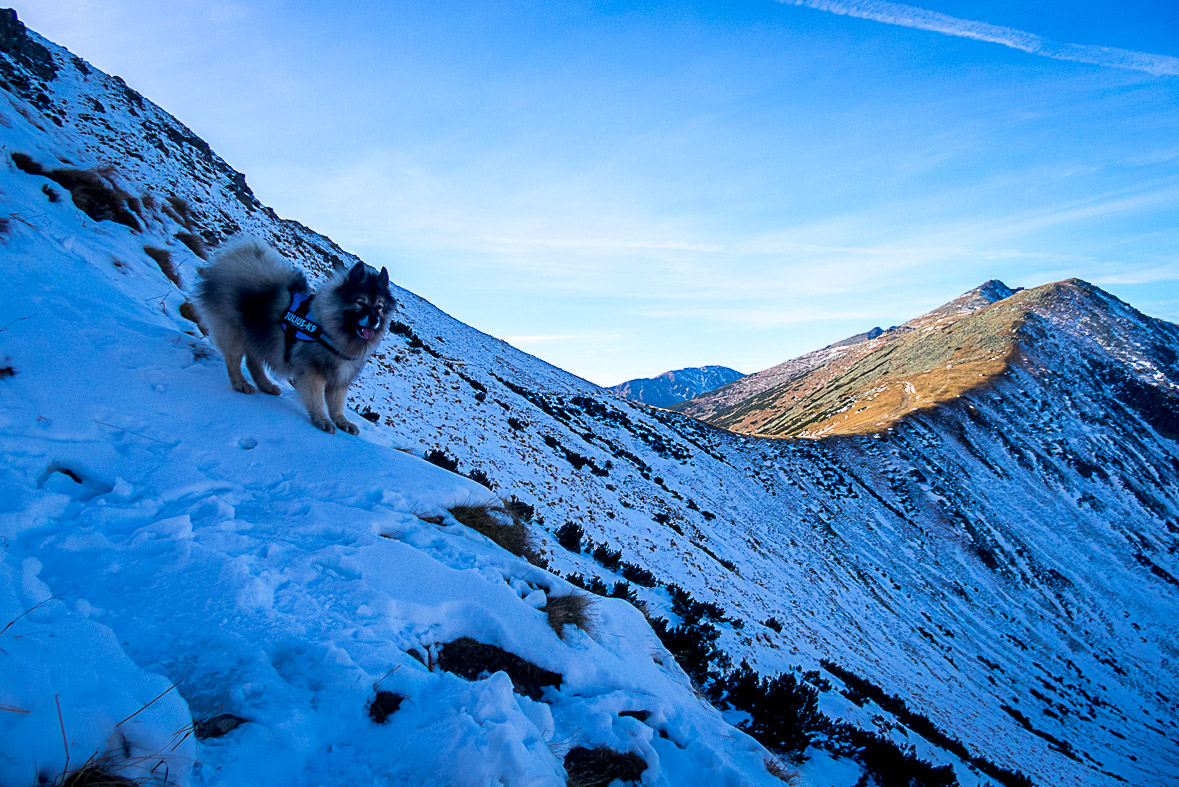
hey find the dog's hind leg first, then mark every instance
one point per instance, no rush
(310, 387)
(234, 349)
(258, 372)
(335, 403)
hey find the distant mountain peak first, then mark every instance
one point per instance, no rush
(677, 385)
(995, 290)
(991, 291)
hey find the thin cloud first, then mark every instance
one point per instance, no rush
(1147, 276)
(553, 338)
(603, 245)
(922, 19)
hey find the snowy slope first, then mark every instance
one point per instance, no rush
(1005, 565)
(675, 386)
(159, 529)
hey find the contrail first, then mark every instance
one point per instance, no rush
(922, 19)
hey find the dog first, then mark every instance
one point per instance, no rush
(255, 305)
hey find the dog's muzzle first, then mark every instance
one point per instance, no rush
(366, 326)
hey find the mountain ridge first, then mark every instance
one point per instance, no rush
(926, 362)
(717, 407)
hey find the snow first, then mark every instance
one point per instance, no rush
(165, 538)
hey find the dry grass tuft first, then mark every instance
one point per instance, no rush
(178, 209)
(97, 197)
(163, 258)
(189, 312)
(600, 766)
(93, 776)
(195, 244)
(571, 610)
(509, 533)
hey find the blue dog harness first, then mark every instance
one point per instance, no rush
(299, 324)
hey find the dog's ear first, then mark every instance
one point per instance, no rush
(384, 279)
(357, 272)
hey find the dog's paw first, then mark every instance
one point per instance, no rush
(323, 424)
(347, 426)
(244, 387)
(271, 389)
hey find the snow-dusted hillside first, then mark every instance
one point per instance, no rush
(675, 386)
(1005, 564)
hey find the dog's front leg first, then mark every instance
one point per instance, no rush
(311, 390)
(335, 403)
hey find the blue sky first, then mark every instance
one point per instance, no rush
(626, 188)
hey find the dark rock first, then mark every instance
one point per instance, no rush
(384, 705)
(16, 42)
(216, 727)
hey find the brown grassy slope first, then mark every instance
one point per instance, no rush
(924, 363)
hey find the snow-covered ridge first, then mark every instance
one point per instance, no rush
(1012, 555)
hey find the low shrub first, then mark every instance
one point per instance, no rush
(638, 575)
(442, 459)
(610, 559)
(692, 611)
(480, 478)
(471, 659)
(601, 766)
(520, 511)
(694, 648)
(569, 536)
(893, 766)
(783, 712)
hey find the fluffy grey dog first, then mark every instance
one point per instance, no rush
(257, 306)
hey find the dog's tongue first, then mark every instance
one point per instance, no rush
(367, 333)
